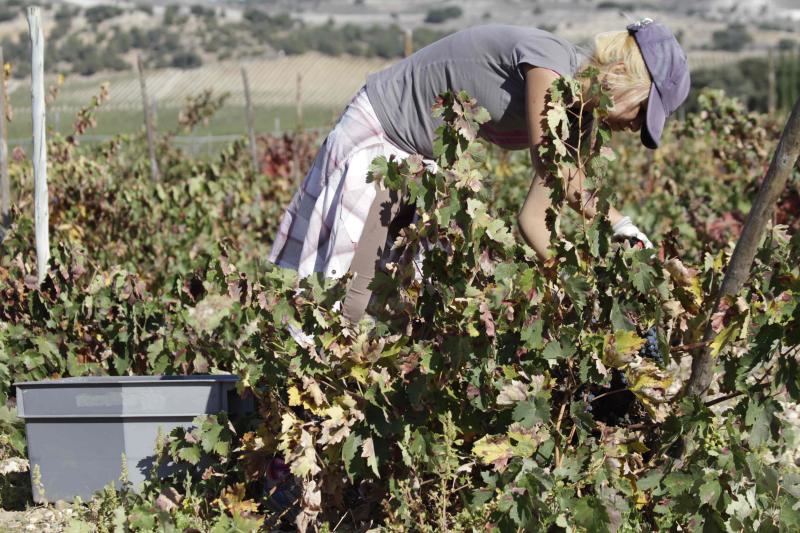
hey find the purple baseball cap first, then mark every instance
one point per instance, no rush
(666, 63)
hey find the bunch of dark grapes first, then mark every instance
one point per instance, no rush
(613, 404)
(615, 408)
(610, 404)
(650, 349)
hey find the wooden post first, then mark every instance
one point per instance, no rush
(251, 131)
(780, 169)
(408, 45)
(299, 101)
(39, 157)
(772, 89)
(148, 122)
(5, 185)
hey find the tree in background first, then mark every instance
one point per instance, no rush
(438, 15)
(787, 44)
(97, 14)
(734, 38)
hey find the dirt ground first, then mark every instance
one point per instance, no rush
(49, 519)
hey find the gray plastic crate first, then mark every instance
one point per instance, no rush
(79, 428)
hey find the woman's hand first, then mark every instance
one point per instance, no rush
(625, 228)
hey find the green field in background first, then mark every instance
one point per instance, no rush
(230, 120)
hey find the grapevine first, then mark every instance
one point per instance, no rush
(497, 392)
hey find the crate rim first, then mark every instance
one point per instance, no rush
(163, 379)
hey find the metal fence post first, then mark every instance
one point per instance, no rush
(299, 102)
(771, 85)
(5, 185)
(251, 131)
(408, 45)
(148, 122)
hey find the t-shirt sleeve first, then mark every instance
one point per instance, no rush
(546, 53)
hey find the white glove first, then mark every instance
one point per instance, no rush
(625, 228)
(300, 337)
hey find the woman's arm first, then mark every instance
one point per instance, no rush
(531, 217)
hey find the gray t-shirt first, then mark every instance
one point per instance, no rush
(483, 60)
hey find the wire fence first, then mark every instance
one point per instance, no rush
(290, 92)
(325, 81)
(287, 94)
(193, 144)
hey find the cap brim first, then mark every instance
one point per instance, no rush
(654, 123)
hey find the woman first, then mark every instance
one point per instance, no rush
(338, 222)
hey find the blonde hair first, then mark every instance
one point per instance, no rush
(631, 84)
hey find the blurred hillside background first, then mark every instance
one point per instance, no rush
(306, 58)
